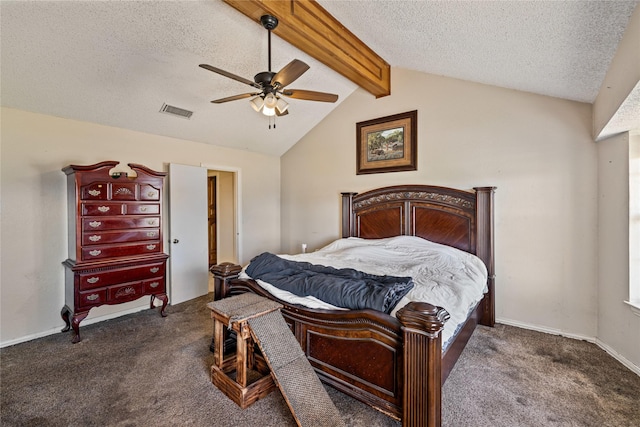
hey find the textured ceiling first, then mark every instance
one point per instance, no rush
(117, 62)
(555, 48)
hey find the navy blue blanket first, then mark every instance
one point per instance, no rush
(343, 287)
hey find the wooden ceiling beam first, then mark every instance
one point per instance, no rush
(309, 27)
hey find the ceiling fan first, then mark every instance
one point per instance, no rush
(272, 86)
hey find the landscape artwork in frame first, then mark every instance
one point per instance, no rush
(387, 144)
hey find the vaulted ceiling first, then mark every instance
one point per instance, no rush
(117, 62)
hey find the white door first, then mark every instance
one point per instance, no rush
(188, 232)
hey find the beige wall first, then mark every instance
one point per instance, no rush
(537, 150)
(34, 218)
(618, 327)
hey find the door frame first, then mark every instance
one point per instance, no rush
(213, 178)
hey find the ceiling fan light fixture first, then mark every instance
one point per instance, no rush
(282, 106)
(270, 101)
(257, 103)
(268, 111)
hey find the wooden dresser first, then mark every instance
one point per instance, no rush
(115, 239)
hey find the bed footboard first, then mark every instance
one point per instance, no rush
(397, 368)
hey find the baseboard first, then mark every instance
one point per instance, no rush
(620, 358)
(610, 351)
(546, 330)
(85, 322)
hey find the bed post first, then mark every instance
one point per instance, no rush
(422, 325)
(222, 273)
(485, 249)
(347, 214)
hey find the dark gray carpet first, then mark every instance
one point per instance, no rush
(143, 370)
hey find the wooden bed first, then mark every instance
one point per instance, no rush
(394, 364)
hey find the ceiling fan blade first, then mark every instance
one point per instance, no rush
(230, 75)
(235, 97)
(284, 113)
(310, 95)
(289, 73)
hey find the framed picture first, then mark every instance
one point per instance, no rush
(387, 144)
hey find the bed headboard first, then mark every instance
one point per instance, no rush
(458, 218)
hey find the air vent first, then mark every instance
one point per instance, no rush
(180, 112)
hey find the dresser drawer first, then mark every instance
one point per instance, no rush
(123, 191)
(95, 224)
(122, 293)
(142, 208)
(95, 191)
(100, 252)
(121, 275)
(98, 209)
(153, 286)
(92, 298)
(105, 237)
(149, 192)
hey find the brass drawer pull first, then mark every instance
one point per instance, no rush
(151, 194)
(95, 252)
(154, 269)
(151, 234)
(93, 280)
(94, 193)
(93, 297)
(151, 247)
(95, 238)
(151, 221)
(95, 224)
(143, 208)
(154, 284)
(103, 209)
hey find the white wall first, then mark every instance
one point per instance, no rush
(537, 150)
(34, 219)
(618, 327)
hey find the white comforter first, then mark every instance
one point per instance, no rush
(442, 275)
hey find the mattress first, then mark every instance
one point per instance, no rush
(442, 275)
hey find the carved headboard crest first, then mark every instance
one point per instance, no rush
(413, 195)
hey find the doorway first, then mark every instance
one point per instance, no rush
(222, 217)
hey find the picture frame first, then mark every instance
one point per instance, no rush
(387, 144)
